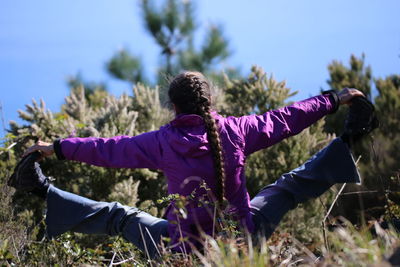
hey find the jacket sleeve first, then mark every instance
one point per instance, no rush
(142, 151)
(262, 131)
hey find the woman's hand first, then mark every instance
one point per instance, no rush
(347, 94)
(45, 148)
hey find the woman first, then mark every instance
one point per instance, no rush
(199, 147)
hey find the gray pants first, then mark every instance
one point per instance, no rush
(70, 212)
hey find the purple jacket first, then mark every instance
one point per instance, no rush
(180, 149)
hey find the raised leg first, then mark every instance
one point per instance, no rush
(70, 212)
(333, 164)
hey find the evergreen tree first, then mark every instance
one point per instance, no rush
(127, 67)
(386, 161)
(173, 27)
(388, 105)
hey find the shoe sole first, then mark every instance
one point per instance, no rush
(14, 180)
(363, 105)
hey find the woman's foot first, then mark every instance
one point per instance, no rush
(28, 176)
(360, 120)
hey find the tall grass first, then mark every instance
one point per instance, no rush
(341, 244)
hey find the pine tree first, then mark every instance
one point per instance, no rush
(387, 140)
(173, 27)
(388, 105)
(126, 67)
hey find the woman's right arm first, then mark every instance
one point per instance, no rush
(142, 151)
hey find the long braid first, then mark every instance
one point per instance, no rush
(216, 150)
(190, 92)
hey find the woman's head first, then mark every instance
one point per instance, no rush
(190, 93)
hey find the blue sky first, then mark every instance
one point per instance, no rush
(43, 42)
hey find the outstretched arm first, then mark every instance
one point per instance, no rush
(142, 151)
(261, 131)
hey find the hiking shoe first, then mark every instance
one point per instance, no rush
(27, 174)
(361, 118)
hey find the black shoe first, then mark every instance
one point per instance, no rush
(27, 174)
(360, 120)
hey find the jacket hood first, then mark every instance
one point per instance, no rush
(188, 135)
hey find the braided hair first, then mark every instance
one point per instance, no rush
(190, 93)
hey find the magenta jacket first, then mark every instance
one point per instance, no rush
(180, 149)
